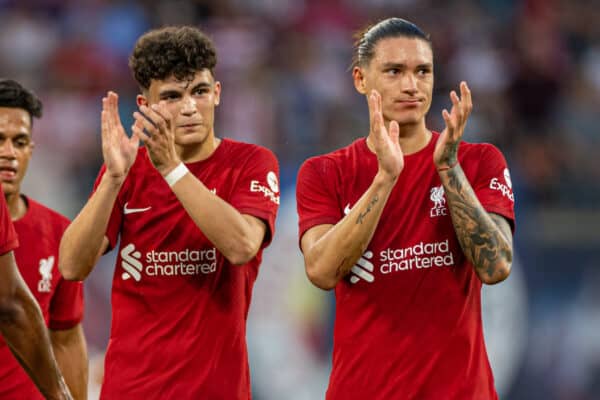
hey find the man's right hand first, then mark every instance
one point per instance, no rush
(118, 150)
(385, 143)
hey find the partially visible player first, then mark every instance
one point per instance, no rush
(39, 230)
(193, 213)
(406, 224)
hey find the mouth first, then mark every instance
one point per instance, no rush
(192, 125)
(408, 102)
(8, 173)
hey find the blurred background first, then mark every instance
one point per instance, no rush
(533, 67)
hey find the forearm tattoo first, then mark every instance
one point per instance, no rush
(362, 215)
(485, 242)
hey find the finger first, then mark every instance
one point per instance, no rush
(162, 110)
(104, 126)
(144, 124)
(465, 94)
(108, 126)
(154, 117)
(114, 103)
(447, 120)
(394, 132)
(456, 110)
(379, 101)
(138, 126)
(138, 134)
(375, 114)
(134, 140)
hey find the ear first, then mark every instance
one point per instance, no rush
(359, 80)
(217, 93)
(141, 100)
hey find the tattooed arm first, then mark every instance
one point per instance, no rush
(330, 251)
(485, 238)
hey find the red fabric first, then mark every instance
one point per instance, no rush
(8, 236)
(61, 301)
(415, 330)
(181, 333)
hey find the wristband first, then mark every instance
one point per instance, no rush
(178, 172)
(448, 167)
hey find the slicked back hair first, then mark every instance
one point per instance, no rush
(366, 39)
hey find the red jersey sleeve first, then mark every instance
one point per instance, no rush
(8, 236)
(493, 185)
(66, 308)
(257, 193)
(114, 223)
(316, 199)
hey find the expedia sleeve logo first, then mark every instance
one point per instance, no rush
(271, 192)
(504, 188)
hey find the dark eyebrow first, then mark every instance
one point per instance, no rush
(393, 65)
(169, 92)
(201, 85)
(16, 137)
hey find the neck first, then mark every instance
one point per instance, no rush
(413, 138)
(16, 206)
(194, 153)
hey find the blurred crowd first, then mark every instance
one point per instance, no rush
(533, 67)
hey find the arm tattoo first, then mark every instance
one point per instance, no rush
(362, 216)
(485, 238)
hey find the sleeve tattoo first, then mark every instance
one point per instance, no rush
(485, 238)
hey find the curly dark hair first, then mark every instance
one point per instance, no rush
(179, 51)
(13, 95)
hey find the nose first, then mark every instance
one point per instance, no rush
(7, 149)
(189, 105)
(409, 83)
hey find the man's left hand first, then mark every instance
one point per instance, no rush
(446, 149)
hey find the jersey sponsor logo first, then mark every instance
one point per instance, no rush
(127, 210)
(507, 178)
(270, 192)
(273, 182)
(436, 195)
(130, 261)
(45, 284)
(363, 269)
(504, 188)
(167, 263)
(419, 256)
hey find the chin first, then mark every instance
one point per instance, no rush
(190, 139)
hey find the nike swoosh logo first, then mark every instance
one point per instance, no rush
(134, 210)
(347, 209)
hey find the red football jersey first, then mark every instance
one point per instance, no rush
(8, 236)
(179, 307)
(61, 301)
(408, 317)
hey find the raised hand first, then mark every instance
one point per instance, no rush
(386, 143)
(119, 150)
(445, 154)
(154, 125)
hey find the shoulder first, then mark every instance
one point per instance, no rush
(46, 215)
(480, 151)
(328, 162)
(249, 151)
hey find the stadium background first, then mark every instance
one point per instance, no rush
(533, 67)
